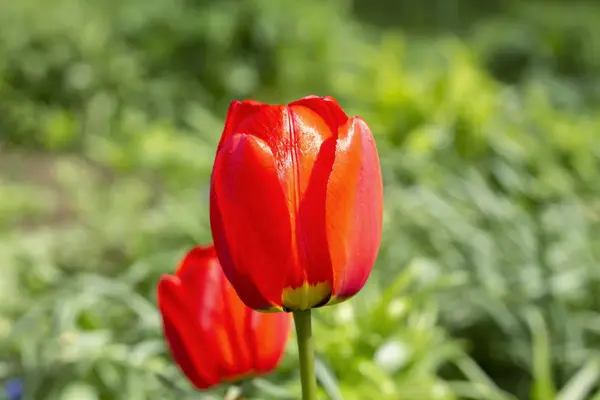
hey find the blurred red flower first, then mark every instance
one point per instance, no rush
(211, 334)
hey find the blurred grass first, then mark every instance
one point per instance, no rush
(487, 123)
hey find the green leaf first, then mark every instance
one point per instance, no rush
(327, 380)
(580, 384)
(543, 382)
(79, 391)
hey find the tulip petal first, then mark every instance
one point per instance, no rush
(310, 153)
(195, 261)
(183, 358)
(252, 296)
(234, 321)
(250, 221)
(237, 113)
(327, 108)
(183, 336)
(269, 123)
(314, 145)
(354, 208)
(268, 334)
(206, 293)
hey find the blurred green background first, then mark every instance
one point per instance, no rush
(487, 119)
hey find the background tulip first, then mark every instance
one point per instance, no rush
(296, 203)
(211, 334)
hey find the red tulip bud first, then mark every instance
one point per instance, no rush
(296, 203)
(211, 334)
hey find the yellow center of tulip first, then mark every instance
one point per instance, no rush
(305, 296)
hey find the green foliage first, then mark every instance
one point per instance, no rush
(487, 282)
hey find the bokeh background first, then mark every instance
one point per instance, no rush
(487, 119)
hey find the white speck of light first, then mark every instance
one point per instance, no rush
(345, 313)
(397, 307)
(391, 356)
(439, 391)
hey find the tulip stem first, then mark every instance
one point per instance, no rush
(306, 354)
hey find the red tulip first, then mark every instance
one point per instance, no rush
(211, 334)
(296, 203)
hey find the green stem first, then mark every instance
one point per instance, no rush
(306, 354)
